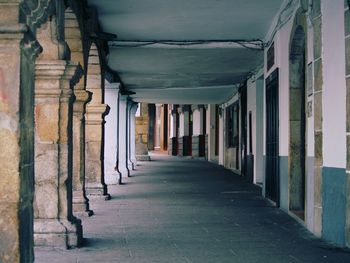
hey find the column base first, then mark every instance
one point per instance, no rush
(81, 206)
(58, 233)
(185, 146)
(198, 146)
(96, 191)
(195, 146)
(112, 178)
(134, 163)
(173, 146)
(125, 172)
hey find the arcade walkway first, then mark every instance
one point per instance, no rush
(185, 210)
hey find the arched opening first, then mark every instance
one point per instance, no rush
(297, 123)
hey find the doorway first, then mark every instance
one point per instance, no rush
(272, 137)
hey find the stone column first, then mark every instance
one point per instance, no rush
(128, 133)
(318, 115)
(198, 137)
(95, 183)
(206, 132)
(123, 127)
(141, 127)
(211, 120)
(184, 138)
(172, 150)
(54, 224)
(18, 51)
(111, 134)
(80, 201)
(132, 137)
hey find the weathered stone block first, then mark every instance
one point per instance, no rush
(46, 121)
(46, 200)
(348, 152)
(318, 186)
(318, 148)
(348, 104)
(317, 38)
(316, 8)
(9, 224)
(347, 52)
(347, 22)
(318, 111)
(295, 107)
(318, 221)
(318, 75)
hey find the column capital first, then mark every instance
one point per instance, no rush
(133, 108)
(112, 85)
(95, 113)
(195, 107)
(48, 73)
(123, 98)
(73, 73)
(81, 98)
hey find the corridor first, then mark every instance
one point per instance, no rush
(187, 210)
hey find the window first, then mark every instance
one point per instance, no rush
(232, 124)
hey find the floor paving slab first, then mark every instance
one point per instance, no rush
(183, 210)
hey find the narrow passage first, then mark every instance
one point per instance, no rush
(186, 210)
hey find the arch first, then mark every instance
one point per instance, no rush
(73, 36)
(94, 78)
(297, 117)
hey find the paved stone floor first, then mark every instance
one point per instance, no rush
(185, 210)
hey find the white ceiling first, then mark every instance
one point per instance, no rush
(205, 73)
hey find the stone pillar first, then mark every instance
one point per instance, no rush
(19, 51)
(318, 115)
(198, 137)
(112, 175)
(184, 141)
(80, 201)
(54, 224)
(95, 183)
(132, 137)
(206, 132)
(211, 131)
(128, 135)
(172, 131)
(142, 123)
(123, 127)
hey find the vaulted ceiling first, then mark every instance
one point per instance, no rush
(154, 55)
